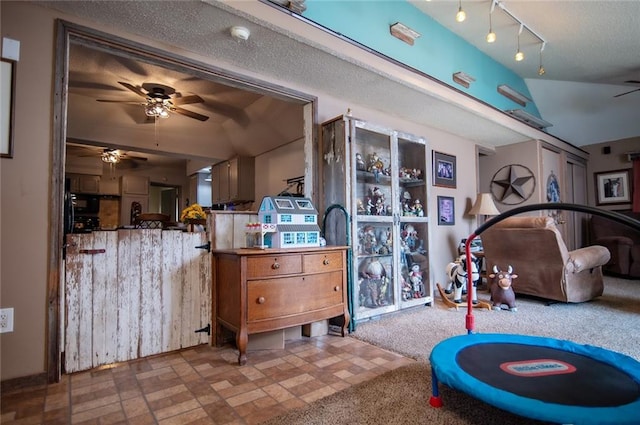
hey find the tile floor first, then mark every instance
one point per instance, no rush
(203, 385)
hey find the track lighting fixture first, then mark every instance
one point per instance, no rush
(461, 15)
(491, 36)
(541, 70)
(519, 55)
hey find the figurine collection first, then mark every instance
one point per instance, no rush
(375, 202)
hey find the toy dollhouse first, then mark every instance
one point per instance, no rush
(296, 221)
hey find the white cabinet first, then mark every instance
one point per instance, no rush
(84, 183)
(135, 185)
(233, 181)
(109, 185)
(380, 176)
(134, 189)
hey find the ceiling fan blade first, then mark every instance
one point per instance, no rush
(622, 94)
(130, 102)
(133, 88)
(185, 100)
(189, 114)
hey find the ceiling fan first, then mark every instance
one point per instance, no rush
(630, 91)
(160, 100)
(110, 156)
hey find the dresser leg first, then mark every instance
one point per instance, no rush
(241, 342)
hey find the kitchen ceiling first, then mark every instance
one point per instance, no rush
(203, 27)
(106, 109)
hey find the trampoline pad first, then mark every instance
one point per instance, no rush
(542, 378)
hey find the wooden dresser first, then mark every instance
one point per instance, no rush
(259, 290)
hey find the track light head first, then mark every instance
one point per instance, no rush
(491, 36)
(519, 56)
(461, 15)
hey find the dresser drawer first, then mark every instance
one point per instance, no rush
(323, 262)
(273, 265)
(272, 298)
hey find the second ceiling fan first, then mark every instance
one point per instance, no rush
(160, 100)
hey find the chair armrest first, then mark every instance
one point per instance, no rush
(587, 258)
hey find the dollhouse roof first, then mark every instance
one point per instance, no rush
(287, 205)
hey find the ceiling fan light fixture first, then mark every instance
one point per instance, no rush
(110, 156)
(156, 108)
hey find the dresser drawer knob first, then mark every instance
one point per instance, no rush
(261, 300)
(275, 266)
(325, 261)
(337, 288)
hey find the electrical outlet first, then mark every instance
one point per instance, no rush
(6, 320)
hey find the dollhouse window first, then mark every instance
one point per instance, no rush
(309, 218)
(300, 238)
(284, 204)
(287, 238)
(286, 218)
(267, 219)
(312, 237)
(304, 205)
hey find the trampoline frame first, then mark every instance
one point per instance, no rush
(508, 401)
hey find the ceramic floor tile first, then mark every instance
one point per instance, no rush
(202, 385)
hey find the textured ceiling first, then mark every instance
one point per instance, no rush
(203, 28)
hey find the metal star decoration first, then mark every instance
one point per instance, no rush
(513, 184)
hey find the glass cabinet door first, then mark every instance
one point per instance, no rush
(373, 197)
(414, 224)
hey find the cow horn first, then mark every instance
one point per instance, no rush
(510, 269)
(496, 269)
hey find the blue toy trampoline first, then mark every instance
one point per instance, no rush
(540, 378)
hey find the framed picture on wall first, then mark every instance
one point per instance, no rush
(613, 187)
(7, 82)
(446, 211)
(444, 170)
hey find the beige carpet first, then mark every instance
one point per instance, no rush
(402, 396)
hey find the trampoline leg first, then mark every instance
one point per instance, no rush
(435, 400)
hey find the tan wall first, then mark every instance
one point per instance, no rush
(25, 183)
(616, 160)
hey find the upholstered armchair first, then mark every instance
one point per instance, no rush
(533, 246)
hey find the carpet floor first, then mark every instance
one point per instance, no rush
(402, 396)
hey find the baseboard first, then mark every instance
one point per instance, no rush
(23, 382)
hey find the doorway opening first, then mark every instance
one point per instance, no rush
(144, 141)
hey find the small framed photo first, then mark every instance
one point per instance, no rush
(444, 170)
(7, 82)
(446, 211)
(613, 187)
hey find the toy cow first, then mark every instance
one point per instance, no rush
(501, 290)
(457, 275)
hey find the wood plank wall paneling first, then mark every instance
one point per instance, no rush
(145, 294)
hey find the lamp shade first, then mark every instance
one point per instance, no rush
(484, 205)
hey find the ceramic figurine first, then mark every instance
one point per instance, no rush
(360, 165)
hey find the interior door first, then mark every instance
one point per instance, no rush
(576, 178)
